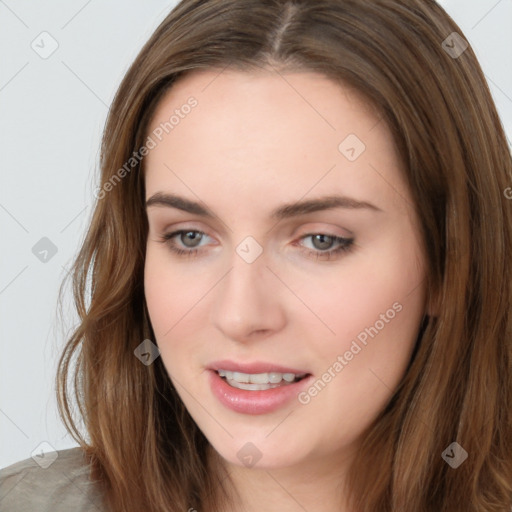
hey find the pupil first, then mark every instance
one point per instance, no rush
(325, 241)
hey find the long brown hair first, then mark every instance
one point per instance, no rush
(403, 57)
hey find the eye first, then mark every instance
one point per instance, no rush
(188, 241)
(323, 243)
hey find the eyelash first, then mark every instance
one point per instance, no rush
(346, 245)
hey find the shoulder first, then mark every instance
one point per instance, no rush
(59, 483)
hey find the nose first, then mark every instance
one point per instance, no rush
(248, 303)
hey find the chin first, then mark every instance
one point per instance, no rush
(259, 454)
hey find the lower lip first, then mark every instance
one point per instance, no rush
(255, 402)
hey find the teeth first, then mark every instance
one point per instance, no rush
(274, 377)
(259, 378)
(253, 387)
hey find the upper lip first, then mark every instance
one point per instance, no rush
(253, 367)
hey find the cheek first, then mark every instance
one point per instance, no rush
(372, 307)
(170, 292)
(177, 303)
(375, 313)
(160, 292)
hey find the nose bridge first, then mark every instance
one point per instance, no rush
(247, 299)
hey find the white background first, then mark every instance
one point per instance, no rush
(52, 114)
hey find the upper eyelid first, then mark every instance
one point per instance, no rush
(311, 231)
(156, 221)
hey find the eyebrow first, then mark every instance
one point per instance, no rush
(282, 212)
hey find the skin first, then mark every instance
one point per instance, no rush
(254, 142)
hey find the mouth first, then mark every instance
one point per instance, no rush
(261, 388)
(259, 381)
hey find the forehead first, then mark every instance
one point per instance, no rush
(307, 95)
(269, 131)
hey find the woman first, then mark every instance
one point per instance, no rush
(296, 282)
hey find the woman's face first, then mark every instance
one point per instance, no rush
(299, 253)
